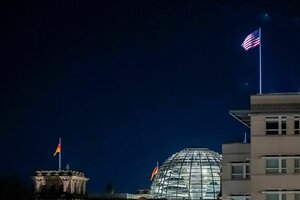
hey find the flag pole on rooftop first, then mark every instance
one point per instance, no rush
(58, 151)
(252, 41)
(59, 163)
(260, 71)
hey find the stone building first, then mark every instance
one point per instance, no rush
(63, 184)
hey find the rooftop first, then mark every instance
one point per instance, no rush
(58, 173)
(272, 103)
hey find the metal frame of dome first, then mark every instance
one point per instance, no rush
(193, 173)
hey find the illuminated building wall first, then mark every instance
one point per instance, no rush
(64, 184)
(269, 167)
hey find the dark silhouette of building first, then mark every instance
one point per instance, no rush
(13, 189)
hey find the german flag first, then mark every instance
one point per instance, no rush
(155, 171)
(57, 149)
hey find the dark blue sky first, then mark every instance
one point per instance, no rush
(126, 84)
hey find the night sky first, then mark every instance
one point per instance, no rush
(128, 83)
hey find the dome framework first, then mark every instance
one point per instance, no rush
(193, 173)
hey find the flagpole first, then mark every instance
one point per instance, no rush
(260, 75)
(59, 158)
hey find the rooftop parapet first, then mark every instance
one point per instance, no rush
(269, 104)
(58, 173)
(276, 101)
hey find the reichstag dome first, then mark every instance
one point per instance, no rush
(193, 173)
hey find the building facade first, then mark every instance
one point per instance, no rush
(236, 171)
(63, 184)
(95, 196)
(273, 170)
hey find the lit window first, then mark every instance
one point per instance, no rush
(276, 125)
(275, 166)
(240, 171)
(276, 196)
(297, 125)
(297, 165)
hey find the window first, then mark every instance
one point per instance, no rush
(276, 196)
(297, 196)
(276, 125)
(297, 125)
(240, 171)
(297, 165)
(276, 166)
(247, 171)
(237, 172)
(240, 198)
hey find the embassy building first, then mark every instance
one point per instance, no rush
(269, 167)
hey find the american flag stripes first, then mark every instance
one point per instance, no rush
(252, 40)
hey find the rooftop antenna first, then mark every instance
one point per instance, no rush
(245, 138)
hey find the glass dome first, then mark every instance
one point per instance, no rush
(193, 173)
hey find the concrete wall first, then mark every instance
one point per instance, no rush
(262, 145)
(236, 152)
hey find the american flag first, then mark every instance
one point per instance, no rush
(251, 41)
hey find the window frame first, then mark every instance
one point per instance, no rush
(296, 125)
(240, 198)
(297, 168)
(281, 125)
(280, 169)
(280, 195)
(240, 176)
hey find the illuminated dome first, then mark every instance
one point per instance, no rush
(192, 173)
